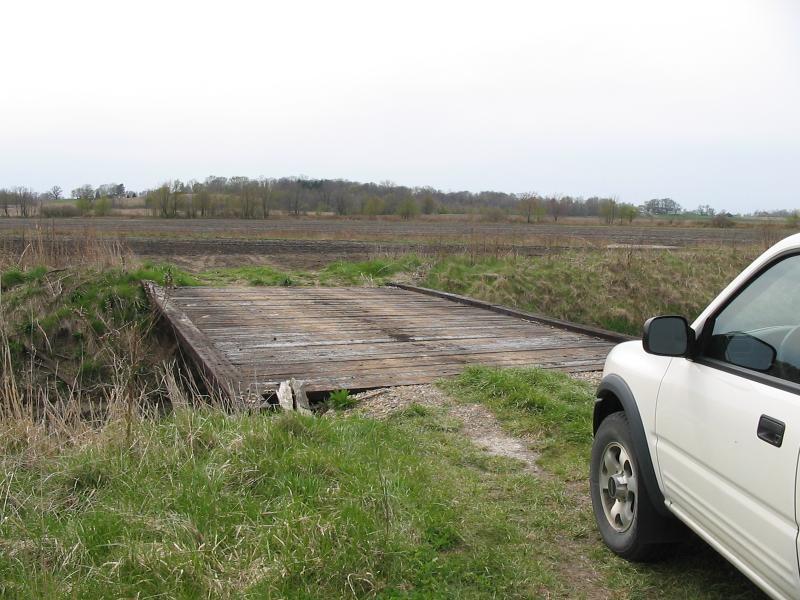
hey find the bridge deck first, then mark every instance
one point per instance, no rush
(249, 339)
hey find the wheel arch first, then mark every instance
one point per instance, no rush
(614, 395)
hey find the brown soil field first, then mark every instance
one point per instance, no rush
(308, 241)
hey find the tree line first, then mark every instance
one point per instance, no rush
(25, 202)
(247, 198)
(242, 197)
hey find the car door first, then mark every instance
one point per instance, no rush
(728, 428)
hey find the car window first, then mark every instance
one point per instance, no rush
(760, 329)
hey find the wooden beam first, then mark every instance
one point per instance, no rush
(217, 370)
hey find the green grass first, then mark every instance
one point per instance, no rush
(11, 278)
(205, 505)
(339, 273)
(556, 410)
(374, 271)
(553, 408)
(253, 275)
(613, 289)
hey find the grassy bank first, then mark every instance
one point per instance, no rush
(614, 289)
(204, 505)
(371, 272)
(72, 330)
(201, 504)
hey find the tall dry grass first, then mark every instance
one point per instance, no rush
(46, 403)
(44, 245)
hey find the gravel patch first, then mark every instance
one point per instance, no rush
(476, 421)
(591, 377)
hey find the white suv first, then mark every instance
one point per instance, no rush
(702, 423)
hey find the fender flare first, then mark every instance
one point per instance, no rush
(614, 387)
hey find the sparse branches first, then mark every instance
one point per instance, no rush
(84, 191)
(531, 206)
(556, 207)
(265, 194)
(54, 193)
(428, 204)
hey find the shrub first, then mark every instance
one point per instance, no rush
(722, 220)
(493, 214)
(59, 211)
(408, 208)
(102, 207)
(84, 205)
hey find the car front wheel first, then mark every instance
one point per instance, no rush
(628, 522)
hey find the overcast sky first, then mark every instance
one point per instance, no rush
(695, 100)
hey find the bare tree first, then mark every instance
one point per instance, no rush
(158, 201)
(203, 202)
(5, 202)
(85, 191)
(25, 199)
(341, 200)
(608, 210)
(265, 193)
(55, 193)
(555, 206)
(530, 206)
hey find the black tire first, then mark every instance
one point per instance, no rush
(639, 532)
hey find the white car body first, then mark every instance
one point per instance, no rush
(715, 474)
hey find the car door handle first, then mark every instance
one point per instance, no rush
(771, 430)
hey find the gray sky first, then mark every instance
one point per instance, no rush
(696, 100)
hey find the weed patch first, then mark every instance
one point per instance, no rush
(341, 400)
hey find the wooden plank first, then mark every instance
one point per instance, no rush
(361, 382)
(337, 354)
(408, 362)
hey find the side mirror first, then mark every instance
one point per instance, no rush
(667, 336)
(750, 352)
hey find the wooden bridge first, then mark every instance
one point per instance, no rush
(247, 340)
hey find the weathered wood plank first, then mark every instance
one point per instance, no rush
(321, 353)
(389, 367)
(316, 384)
